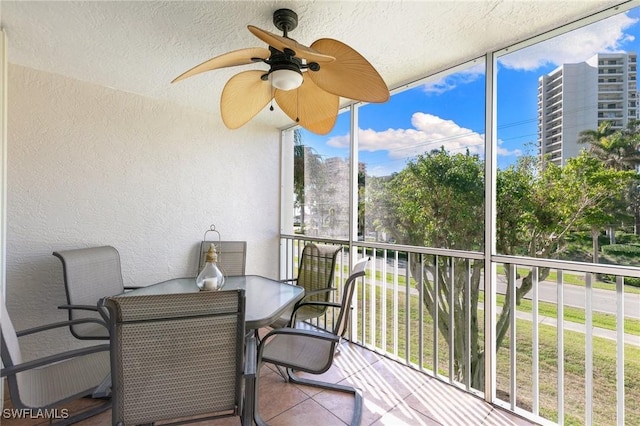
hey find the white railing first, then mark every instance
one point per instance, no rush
(555, 323)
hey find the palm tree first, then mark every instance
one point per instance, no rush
(619, 150)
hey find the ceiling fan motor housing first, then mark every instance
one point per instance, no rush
(285, 20)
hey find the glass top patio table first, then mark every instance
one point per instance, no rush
(266, 299)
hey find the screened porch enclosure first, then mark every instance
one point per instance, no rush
(498, 203)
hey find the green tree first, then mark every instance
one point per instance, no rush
(374, 205)
(539, 205)
(598, 140)
(438, 198)
(307, 166)
(601, 190)
(298, 174)
(438, 201)
(617, 150)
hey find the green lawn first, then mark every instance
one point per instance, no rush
(600, 320)
(604, 361)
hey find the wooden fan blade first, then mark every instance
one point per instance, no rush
(281, 43)
(350, 75)
(244, 95)
(230, 59)
(314, 109)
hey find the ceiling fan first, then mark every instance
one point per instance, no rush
(306, 81)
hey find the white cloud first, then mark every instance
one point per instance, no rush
(429, 132)
(504, 152)
(576, 46)
(452, 81)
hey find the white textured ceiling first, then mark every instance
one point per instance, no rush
(140, 46)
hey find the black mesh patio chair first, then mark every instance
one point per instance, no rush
(177, 356)
(51, 382)
(89, 275)
(312, 351)
(232, 256)
(316, 274)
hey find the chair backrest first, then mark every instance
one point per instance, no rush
(342, 322)
(315, 273)
(9, 348)
(317, 268)
(89, 275)
(232, 256)
(176, 355)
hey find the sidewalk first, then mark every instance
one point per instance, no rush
(581, 328)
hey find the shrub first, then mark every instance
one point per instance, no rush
(630, 250)
(627, 238)
(630, 281)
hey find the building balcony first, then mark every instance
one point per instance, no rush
(553, 146)
(537, 360)
(90, 163)
(610, 107)
(554, 124)
(393, 394)
(610, 72)
(554, 98)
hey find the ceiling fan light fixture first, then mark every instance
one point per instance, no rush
(285, 79)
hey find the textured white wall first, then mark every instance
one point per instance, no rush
(92, 166)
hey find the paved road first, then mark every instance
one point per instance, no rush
(601, 300)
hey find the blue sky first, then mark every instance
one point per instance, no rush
(449, 112)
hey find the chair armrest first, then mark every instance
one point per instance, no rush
(318, 303)
(323, 335)
(51, 359)
(58, 325)
(289, 280)
(79, 307)
(98, 308)
(319, 291)
(301, 304)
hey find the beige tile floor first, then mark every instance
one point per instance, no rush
(393, 395)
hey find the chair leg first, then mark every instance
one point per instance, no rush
(283, 372)
(256, 401)
(357, 408)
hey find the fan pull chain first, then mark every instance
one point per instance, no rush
(297, 105)
(272, 95)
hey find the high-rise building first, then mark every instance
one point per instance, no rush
(577, 97)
